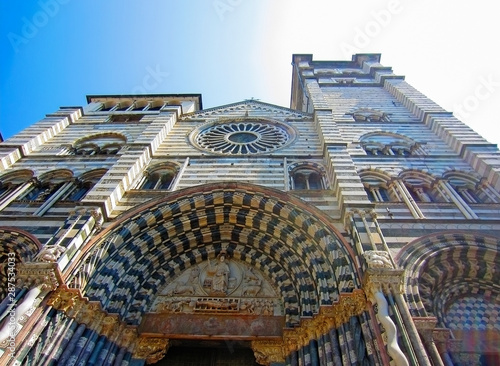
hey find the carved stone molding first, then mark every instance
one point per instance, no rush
(441, 337)
(425, 326)
(268, 351)
(33, 274)
(74, 305)
(151, 349)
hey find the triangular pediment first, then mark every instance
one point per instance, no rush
(248, 108)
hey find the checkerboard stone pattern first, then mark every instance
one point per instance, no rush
(473, 313)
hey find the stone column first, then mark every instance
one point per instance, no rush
(17, 193)
(457, 200)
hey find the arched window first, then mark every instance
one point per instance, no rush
(422, 187)
(307, 176)
(160, 178)
(470, 188)
(51, 184)
(421, 193)
(376, 184)
(369, 115)
(83, 184)
(42, 191)
(101, 144)
(388, 143)
(87, 149)
(377, 194)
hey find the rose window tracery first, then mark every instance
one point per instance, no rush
(242, 137)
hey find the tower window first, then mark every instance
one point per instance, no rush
(306, 178)
(161, 178)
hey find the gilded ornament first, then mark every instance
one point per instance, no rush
(151, 349)
(268, 351)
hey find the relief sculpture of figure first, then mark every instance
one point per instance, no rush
(221, 275)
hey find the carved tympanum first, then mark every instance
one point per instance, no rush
(220, 285)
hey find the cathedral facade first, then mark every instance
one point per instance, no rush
(360, 226)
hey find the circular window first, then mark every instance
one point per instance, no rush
(242, 138)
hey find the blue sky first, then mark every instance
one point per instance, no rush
(55, 52)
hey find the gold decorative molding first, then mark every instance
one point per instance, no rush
(349, 304)
(151, 349)
(268, 351)
(74, 305)
(329, 317)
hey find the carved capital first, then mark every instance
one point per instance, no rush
(126, 336)
(90, 313)
(441, 338)
(64, 299)
(151, 349)
(425, 326)
(268, 351)
(109, 324)
(385, 280)
(33, 274)
(291, 341)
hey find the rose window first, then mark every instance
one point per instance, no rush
(242, 138)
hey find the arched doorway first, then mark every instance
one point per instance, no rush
(280, 261)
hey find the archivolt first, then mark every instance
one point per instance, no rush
(288, 240)
(442, 267)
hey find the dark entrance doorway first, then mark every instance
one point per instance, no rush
(208, 354)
